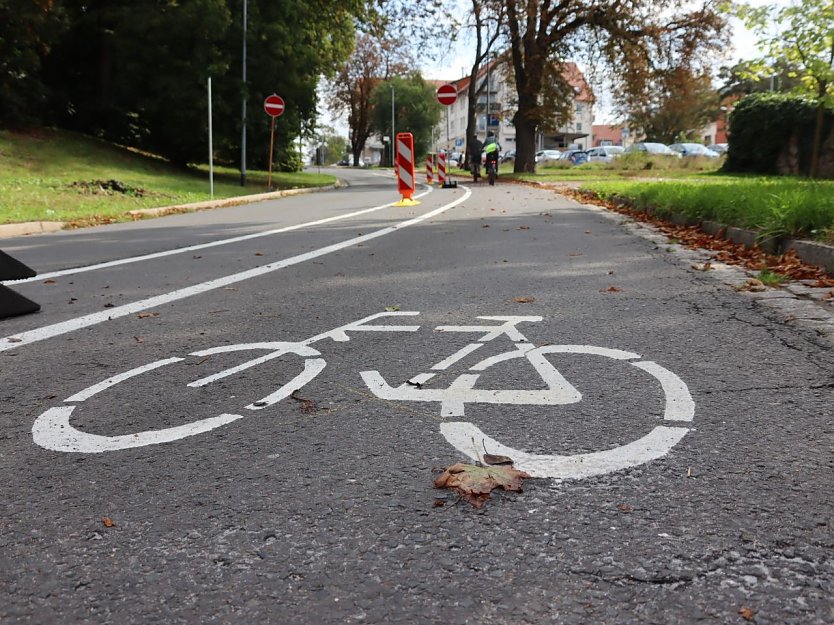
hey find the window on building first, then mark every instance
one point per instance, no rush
(578, 126)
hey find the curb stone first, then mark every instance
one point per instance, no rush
(39, 227)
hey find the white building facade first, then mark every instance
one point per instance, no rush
(498, 100)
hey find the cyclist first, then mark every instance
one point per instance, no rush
(492, 149)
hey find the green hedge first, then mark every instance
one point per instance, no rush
(762, 124)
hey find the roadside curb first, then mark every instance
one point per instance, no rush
(8, 231)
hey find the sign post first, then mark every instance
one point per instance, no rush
(274, 107)
(447, 95)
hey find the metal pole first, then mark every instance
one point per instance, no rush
(211, 149)
(393, 139)
(486, 117)
(243, 108)
(271, 151)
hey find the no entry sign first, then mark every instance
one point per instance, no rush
(274, 105)
(447, 94)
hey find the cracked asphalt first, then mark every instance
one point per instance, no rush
(321, 508)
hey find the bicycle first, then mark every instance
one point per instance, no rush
(52, 429)
(492, 170)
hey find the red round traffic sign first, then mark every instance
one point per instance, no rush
(274, 105)
(447, 94)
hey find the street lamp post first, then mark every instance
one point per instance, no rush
(243, 109)
(393, 141)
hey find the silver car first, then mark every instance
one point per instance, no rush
(604, 153)
(693, 149)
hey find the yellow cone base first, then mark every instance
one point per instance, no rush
(407, 201)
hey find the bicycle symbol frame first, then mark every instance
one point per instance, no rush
(53, 430)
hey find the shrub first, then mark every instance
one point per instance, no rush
(762, 126)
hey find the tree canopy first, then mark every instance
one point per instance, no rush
(416, 110)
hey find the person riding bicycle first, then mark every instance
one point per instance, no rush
(492, 149)
(475, 149)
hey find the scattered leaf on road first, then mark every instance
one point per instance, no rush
(611, 289)
(624, 508)
(524, 300)
(523, 228)
(308, 406)
(110, 305)
(707, 266)
(748, 614)
(145, 315)
(107, 521)
(49, 281)
(575, 254)
(753, 285)
(496, 459)
(474, 484)
(14, 339)
(392, 308)
(259, 253)
(138, 339)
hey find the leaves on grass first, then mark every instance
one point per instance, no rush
(107, 521)
(474, 484)
(524, 300)
(145, 315)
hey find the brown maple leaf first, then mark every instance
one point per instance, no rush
(475, 483)
(748, 614)
(107, 521)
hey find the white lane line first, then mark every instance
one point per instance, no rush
(57, 329)
(200, 246)
(95, 389)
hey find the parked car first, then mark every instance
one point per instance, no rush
(508, 156)
(455, 159)
(720, 148)
(655, 149)
(574, 157)
(547, 156)
(693, 149)
(604, 153)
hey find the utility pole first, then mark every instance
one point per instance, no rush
(393, 137)
(243, 109)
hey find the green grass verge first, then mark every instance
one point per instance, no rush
(51, 175)
(774, 206)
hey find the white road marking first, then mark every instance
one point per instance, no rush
(652, 446)
(52, 429)
(201, 246)
(39, 334)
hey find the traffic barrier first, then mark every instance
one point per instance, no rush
(441, 169)
(11, 303)
(405, 168)
(430, 169)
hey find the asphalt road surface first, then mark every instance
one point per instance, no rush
(237, 416)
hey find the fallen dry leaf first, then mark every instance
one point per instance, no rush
(110, 305)
(392, 308)
(49, 281)
(259, 253)
(145, 315)
(524, 300)
(308, 406)
(707, 266)
(523, 228)
(748, 614)
(753, 285)
(138, 339)
(611, 289)
(624, 508)
(575, 254)
(107, 521)
(474, 484)
(496, 459)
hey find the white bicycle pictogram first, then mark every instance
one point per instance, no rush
(53, 430)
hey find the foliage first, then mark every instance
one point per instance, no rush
(761, 127)
(28, 29)
(135, 71)
(773, 205)
(48, 175)
(638, 39)
(416, 109)
(746, 77)
(674, 106)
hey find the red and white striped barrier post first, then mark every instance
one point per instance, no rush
(405, 168)
(441, 169)
(430, 169)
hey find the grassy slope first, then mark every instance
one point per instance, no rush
(37, 171)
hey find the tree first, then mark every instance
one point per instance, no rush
(637, 37)
(804, 37)
(678, 105)
(487, 19)
(373, 61)
(746, 77)
(416, 109)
